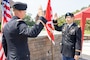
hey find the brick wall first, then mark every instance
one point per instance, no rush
(42, 49)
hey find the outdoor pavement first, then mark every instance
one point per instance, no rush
(85, 55)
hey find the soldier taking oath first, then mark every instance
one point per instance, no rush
(71, 37)
(16, 33)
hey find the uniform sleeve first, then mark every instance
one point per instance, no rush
(78, 41)
(4, 44)
(58, 28)
(33, 31)
(30, 31)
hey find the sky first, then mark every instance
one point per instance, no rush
(58, 6)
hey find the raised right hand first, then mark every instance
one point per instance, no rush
(40, 11)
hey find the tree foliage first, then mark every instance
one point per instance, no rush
(29, 20)
(87, 26)
(61, 19)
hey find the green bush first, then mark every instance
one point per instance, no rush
(0, 26)
(29, 20)
(61, 20)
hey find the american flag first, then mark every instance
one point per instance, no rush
(2, 54)
(6, 16)
(49, 25)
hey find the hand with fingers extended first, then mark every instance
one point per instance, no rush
(40, 11)
(55, 19)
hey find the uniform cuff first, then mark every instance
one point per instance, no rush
(43, 19)
(55, 22)
(77, 53)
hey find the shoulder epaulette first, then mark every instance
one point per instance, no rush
(78, 26)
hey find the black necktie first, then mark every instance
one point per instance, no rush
(67, 28)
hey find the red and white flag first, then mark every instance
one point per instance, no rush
(6, 13)
(2, 54)
(49, 25)
(6, 16)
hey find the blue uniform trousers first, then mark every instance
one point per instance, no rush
(67, 58)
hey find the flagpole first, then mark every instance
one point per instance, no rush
(3, 2)
(52, 50)
(48, 26)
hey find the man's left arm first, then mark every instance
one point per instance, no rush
(4, 44)
(78, 44)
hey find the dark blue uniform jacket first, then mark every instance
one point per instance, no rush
(15, 37)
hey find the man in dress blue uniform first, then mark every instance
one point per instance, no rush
(16, 33)
(71, 38)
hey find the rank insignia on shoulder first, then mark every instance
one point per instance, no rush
(78, 26)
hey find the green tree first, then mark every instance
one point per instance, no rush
(29, 20)
(0, 26)
(76, 11)
(83, 8)
(61, 20)
(87, 26)
(88, 5)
